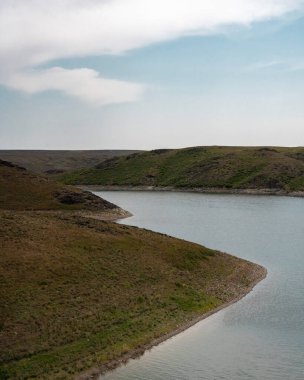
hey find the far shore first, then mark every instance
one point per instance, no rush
(203, 190)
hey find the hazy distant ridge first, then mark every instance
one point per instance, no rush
(54, 161)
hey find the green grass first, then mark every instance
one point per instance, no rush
(75, 292)
(208, 167)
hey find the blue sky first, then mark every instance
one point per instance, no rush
(208, 80)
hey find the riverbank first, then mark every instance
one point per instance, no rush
(95, 373)
(77, 293)
(201, 190)
(112, 215)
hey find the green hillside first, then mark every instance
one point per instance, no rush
(206, 167)
(77, 293)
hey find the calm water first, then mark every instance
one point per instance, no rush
(260, 337)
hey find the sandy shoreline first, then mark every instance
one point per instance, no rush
(259, 275)
(111, 215)
(194, 190)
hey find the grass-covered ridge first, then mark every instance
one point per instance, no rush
(205, 167)
(23, 190)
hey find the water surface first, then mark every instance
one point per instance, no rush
(261, 336)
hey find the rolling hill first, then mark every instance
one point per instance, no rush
(23, 190)
(279, 169)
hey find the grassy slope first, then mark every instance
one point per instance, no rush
(22, 190)
(209, 167)
(76, 292)
(42, 161)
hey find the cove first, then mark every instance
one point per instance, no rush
(259, 337)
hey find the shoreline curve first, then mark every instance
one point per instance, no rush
(202, 190)
(96, 372)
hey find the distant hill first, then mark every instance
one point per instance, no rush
(58, 161)
(23, 190)
(201, 167)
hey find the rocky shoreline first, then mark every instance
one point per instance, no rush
(202, 190)
(94, 373)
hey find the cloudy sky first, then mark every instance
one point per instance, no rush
(144, 74)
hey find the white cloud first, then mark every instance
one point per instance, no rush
(264, 65)
(84, 84)
(35, 32)
(276, 64)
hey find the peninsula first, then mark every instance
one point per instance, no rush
(79, 293)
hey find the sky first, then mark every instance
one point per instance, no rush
(147, 74)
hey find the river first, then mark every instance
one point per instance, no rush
(259, 337)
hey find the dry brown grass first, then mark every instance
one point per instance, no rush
(23, 190)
